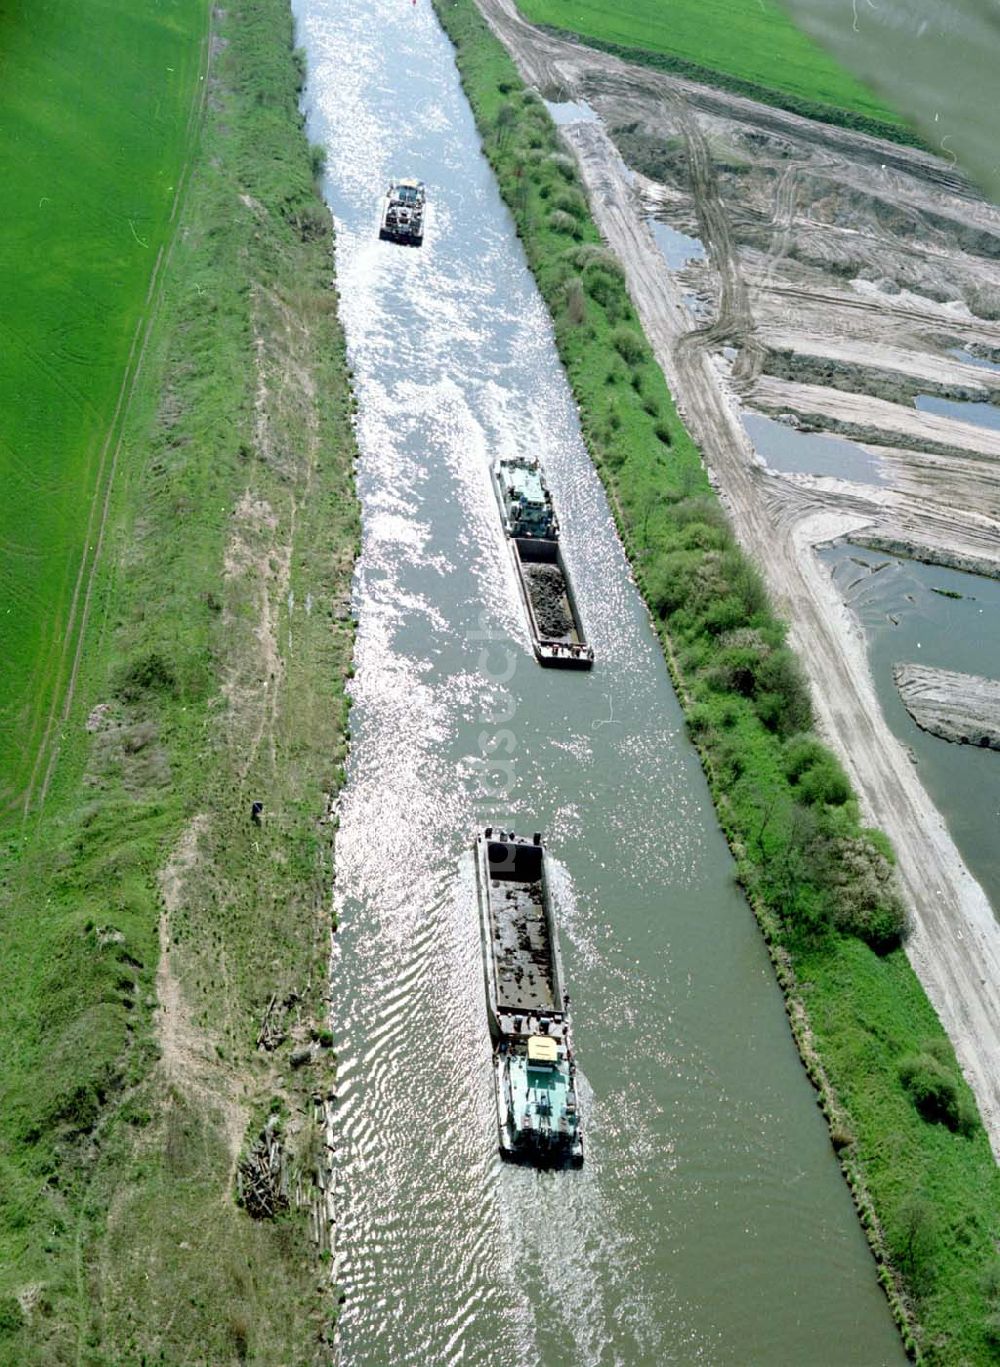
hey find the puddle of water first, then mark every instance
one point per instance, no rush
(571, 111)
(810, 453)
(677, 247)
(964, 410)
(970, 358)
(905, 620)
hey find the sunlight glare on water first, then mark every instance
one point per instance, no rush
(709, 1190)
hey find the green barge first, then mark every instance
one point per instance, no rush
(527, 1006)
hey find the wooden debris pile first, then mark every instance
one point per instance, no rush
(261, 1178)
(273, 1031)
(314, 1180)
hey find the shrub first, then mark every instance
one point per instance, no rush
(915, 1240)
(561, 222)
(783, 701)
(629, 345)
(868, 903)
(701, 536)
(149, 675)
(824, 782)
(816, 773)
(934, 1089)
(589, 254)
(11, 1316)
(670, 581)
(991, 1329)
(571, 202)
(565, 165)
(801, 753)
(747, 583)
(576, 303)
(317, 159)
(701, 508)
(736, 671)
(881, 924)
(602, 286)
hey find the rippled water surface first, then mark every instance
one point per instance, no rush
(710, 1223)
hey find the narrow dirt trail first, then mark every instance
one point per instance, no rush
(955, 944)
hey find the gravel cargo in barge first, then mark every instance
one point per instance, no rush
(532, 530)
(526, 1004)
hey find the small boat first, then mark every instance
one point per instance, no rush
(527, 1007)
(532, 529)
(403, 213)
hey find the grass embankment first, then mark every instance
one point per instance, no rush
(99, 105)
(212, 677)
(901, 1116)
(749, 47)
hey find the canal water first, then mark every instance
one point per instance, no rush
(710, 1223)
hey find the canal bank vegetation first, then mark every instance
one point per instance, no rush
(901, 1116)
(167, 1065)
(754, 50)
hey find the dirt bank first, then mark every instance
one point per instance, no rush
(957, 707)
(903, 269)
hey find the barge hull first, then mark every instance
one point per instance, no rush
(547, 594)
(534, 1072)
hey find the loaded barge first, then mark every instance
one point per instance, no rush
(403, 213)
(532, 530)
(526, 1004)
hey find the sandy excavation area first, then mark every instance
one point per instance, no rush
(841, 276)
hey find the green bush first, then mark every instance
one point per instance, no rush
(824, 783)
(815, 772)
(934, 1089)
(317, 159)
(590, 255)
(565, 165)
(882, 925)
(700, 536)
(11, 1316)
(148, 676)
(629, 345)
(571, 202)
(602, 286)
(991, 1329)
(801, 753)
(561, 222)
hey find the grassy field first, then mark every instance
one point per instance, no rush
(147, 923)
(750, 46)
(901, 1117)
(96, 108)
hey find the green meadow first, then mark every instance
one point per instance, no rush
(97, 99)
(749, 46)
